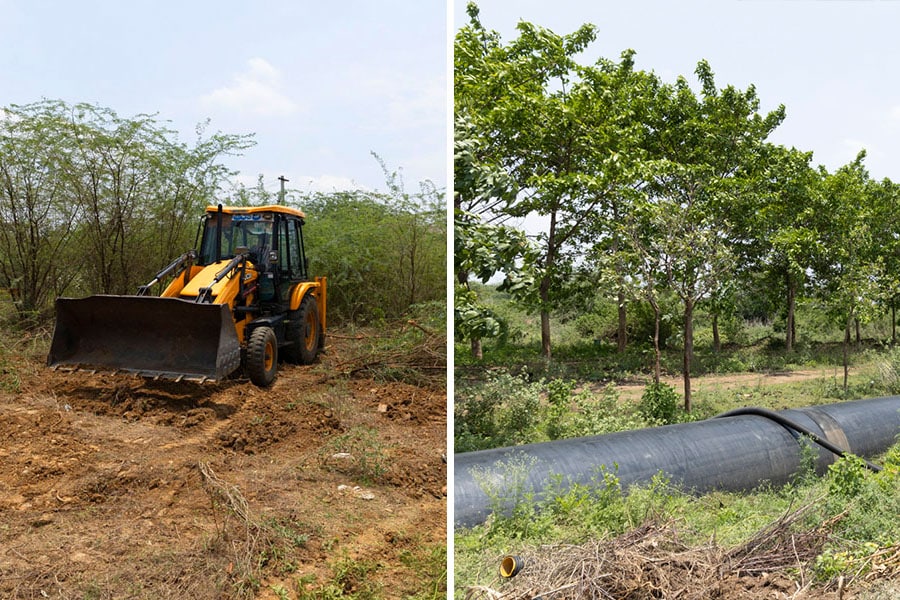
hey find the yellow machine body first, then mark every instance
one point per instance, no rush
(199, 327)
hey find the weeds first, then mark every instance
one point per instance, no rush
(253, 543)
(432, 564)
(357, 453)
(509, 410)
(659, 403)
(845, 528)
(415, 352)
(505, 411)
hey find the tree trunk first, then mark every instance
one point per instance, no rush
(794, 327)
(790, 332)
(622, 333)
(717, 343)
(544, 289)
(846, 353)
(688, 351)
(545, 335)
(477, 352)
(656, 352)
(893, 321)
(544, 292)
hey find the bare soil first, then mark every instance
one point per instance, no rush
(632, 390)
(114, 486)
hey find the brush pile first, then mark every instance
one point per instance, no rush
(652, 561)
(412, 353)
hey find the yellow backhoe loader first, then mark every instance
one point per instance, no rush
(242, 300)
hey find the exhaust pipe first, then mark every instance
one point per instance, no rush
(733, 452)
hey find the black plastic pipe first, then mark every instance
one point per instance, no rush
(731, 452)
(795, 426)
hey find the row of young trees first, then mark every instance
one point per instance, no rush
(92, 202)
(649, 188)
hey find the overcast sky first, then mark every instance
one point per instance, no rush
(321, 84)
(832, 64)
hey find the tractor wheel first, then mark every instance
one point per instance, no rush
(262, 356)
(304, 333)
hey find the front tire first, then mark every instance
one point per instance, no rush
(304, 333)
(262, 356)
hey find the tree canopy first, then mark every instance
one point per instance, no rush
(654, 189)
(93, 202)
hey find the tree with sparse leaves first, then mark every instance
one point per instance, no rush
(93, 202)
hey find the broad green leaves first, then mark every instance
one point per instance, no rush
(652, 189)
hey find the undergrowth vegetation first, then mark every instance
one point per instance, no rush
(512, 397)
(845, 522)
(816, 531)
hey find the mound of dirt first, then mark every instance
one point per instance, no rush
(115, 486)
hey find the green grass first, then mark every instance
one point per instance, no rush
(861, 507)
(513, 396)
(358, 453)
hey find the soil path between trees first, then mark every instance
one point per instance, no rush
(632, 390)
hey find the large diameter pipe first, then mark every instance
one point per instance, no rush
(734, 453)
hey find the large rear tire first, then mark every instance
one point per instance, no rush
(262, 356)
(303, 332)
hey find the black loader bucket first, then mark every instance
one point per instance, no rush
(151, 336)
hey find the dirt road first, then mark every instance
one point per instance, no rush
(117, 487)
(731, 381)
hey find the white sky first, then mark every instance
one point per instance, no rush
(832, 64)
(322, 84)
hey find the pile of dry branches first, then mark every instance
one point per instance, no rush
(240, 535)
(412, 353)
(652, 562)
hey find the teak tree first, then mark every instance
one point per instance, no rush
(555, 127)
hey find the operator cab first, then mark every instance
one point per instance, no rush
(273, 235)
(248, 231)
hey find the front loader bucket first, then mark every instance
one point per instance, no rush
(151, 336)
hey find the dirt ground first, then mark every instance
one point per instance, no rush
(321, 486)
(632, 390)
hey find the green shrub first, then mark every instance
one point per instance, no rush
(585, 413)
(597, 416)
(503, 411)
(659, 403)
(846, 476)
(601, 324)
(855, 561)
(382, 252)
(641, 323)
(559, 396)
